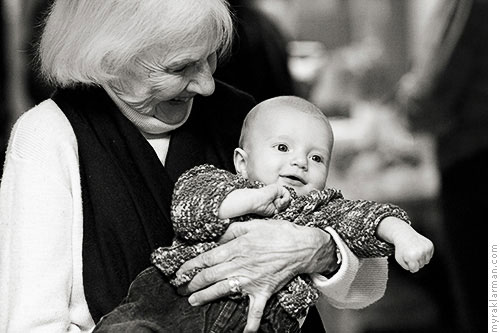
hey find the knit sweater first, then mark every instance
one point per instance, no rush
(41, 232)
(200, 191)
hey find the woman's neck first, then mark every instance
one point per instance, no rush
(148, 125)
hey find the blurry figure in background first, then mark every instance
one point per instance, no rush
(4, 111)
(38, 90)
(259, 61)
(447, 94)
(20, 88)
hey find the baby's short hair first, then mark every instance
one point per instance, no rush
(297, 103)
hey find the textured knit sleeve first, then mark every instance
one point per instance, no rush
(197, 197)
(356, 221)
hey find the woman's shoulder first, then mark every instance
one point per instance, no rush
(42, 126)
(46, 115)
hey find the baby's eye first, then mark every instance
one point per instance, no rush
(282, 147)
(317, 158)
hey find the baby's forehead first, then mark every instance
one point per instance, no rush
(273, 119)
(282, 111)
(272, 115)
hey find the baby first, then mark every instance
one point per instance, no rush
(282, 165)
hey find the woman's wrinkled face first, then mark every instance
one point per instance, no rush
(162, 83)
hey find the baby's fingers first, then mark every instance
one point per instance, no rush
(255, 313)
(430, 252)
(414, 266)
(282, 200)
(402, 262)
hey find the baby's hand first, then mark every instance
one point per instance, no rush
(270, 200)
(413, 251)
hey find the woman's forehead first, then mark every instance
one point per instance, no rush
(177, 51)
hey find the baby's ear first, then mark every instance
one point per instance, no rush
(240, 162)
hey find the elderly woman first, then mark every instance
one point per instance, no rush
(89, 173)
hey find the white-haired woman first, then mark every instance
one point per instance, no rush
(85, 194)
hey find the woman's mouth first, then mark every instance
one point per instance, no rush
(180, 100)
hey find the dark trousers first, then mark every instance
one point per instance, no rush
(152, 305)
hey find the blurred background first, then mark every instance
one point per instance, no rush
(404, 83)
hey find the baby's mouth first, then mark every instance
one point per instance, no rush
(293, 180)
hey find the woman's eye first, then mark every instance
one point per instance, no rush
(317, 158)
(177, 70)
(282, 147)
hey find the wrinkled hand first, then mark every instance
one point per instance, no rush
(413, 251)
(263, 255)
(270, 199)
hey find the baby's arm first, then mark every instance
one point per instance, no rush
(197, 197)
(264, 201)
(413, 251)
(206, 198)
(370, 229)
(356, 222)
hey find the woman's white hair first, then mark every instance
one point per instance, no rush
(91, 41)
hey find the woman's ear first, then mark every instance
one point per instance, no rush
(240, 162)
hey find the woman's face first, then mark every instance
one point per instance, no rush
(162, 83)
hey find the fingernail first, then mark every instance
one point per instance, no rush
(192, 300)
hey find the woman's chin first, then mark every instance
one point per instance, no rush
(173, 112)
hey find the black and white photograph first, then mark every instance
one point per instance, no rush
(272, 166)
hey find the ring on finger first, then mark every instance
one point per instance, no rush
(234, 285)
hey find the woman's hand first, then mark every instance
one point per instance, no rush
(263, 255)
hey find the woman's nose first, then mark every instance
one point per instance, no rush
(202, 81)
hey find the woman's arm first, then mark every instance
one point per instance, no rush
(40, 292)
(357, 282)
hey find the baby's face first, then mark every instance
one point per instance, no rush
(290, 148)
